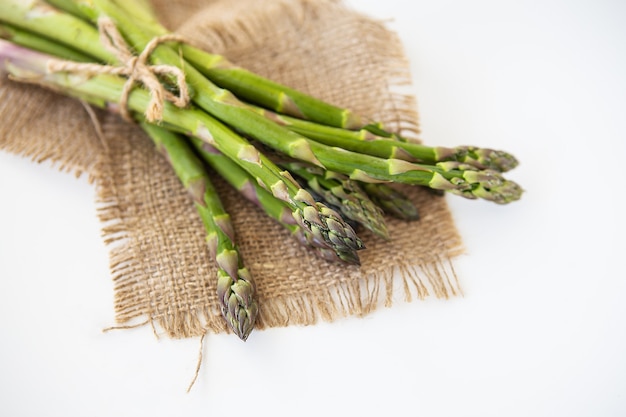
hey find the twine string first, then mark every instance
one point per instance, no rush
(136, 68)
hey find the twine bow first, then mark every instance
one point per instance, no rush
(136, 68)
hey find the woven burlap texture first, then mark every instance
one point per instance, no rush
(160, 266)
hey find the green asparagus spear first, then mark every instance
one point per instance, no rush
(235, 289)
(364, 141)
(38, 43)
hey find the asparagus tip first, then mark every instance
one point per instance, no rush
(237, 301)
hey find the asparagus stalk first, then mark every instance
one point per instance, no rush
(29, 40)
(364, 141)
(324, 223)
(75, 9)
(267, 93)
(273, 207)
(235, 289)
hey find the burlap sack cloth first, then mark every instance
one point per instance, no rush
(160, 265)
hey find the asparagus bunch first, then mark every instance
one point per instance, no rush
(229, 118)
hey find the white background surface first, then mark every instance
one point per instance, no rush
(541, 329)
